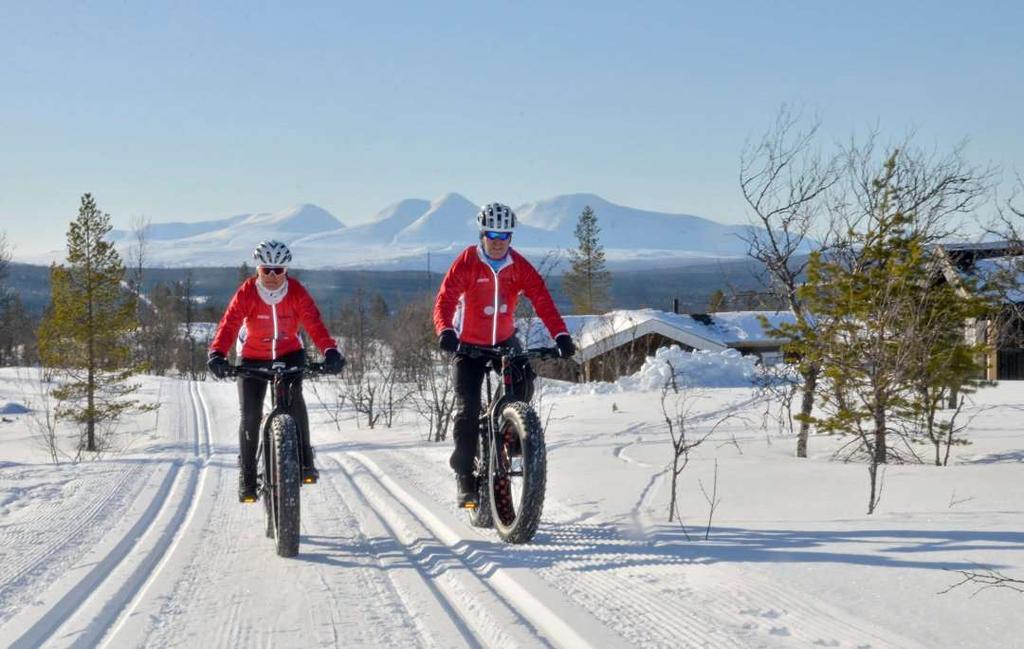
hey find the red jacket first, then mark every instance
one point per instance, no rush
(479, 303)
(267, 332)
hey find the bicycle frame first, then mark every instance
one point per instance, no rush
(504, 391)
(280, 401)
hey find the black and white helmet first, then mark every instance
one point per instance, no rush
(496, 218)
(272, 253)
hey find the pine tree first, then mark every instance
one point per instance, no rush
(7, 304)
(884, 332)
(588, 281)
(716, 302)
(5, 262)
(943, 364)
(85, 332)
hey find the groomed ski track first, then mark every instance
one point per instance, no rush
(161, 554)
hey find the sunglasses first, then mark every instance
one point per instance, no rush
(498, 236)
(273, 270)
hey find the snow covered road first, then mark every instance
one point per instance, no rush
(183, 564)
(150, 548)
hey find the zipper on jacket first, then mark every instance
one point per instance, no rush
(273, 341)
(508, 262)
(494, 318)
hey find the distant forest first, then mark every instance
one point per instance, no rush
(695, 287)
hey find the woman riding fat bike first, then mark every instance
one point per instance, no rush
(264, 318)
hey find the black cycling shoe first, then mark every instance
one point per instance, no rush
(466, 498)
(310, 475)
(246, 487)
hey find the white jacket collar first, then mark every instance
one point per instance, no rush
(271, 297)
(505, 263)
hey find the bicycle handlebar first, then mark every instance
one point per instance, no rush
(480, 351)
(268, 373)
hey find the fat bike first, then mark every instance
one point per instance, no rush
(278, 461)
(510, 466)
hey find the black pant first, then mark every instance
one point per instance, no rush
(468, 376)
(251, 394)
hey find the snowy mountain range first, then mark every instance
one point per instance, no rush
(402, 235)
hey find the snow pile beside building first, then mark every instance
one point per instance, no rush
(707, 369)
(13, 408)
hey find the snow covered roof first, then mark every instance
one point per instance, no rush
(597, 334)
(1007, 268)
(981, 246)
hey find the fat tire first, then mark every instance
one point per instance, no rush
(286, 482)
(518, 522)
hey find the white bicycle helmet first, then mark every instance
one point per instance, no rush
(496, 218)
(272, 253)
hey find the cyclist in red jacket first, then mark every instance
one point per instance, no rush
(264, 316)
(476, 304)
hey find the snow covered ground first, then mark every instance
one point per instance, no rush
(149, 547)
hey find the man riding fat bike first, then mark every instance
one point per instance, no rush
(264, 317)
(476, 305)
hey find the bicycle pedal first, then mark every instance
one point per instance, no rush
(469, 505)
(309, 480)
(249, 500)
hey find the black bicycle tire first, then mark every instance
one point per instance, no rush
(287, 483)
(522, 524)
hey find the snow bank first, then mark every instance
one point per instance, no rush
(13, 408)
(724, 369)
(707, 369)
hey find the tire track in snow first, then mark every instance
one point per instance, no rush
(596, 572)
(46, 625)
(35, 557)
(155, 617)
(587, 570)
(224, 586)
(690, 604)
(183, 509)
(483, 619)
(94, 603)
(513, 597)
(412, 587)
(388, 617)
(203, 427)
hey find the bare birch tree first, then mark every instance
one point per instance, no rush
(138, 252)
(677, 408)
(786, 184)
(45, 406)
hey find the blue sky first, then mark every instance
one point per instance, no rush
(190, 111)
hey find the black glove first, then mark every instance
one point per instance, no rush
(334, 362)
(218, 365)
(448, 340)
(566, 347)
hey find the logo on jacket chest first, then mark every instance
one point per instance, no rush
(489, 310)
